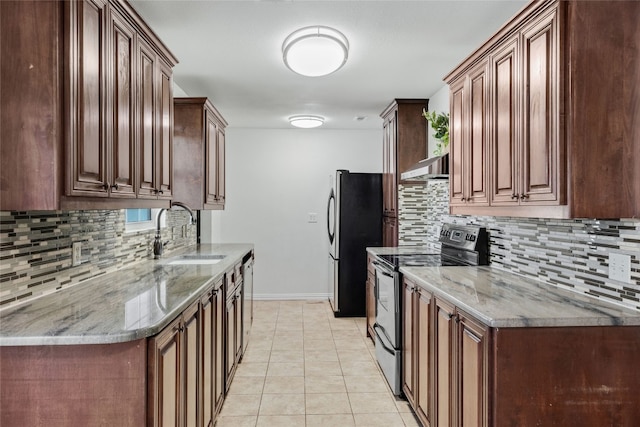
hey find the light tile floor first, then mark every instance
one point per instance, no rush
(304, 367)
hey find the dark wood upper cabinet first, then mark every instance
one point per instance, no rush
(469, 138)
(123, 138)
(100, 108)
(199, 140)
(563, 138)
(87, 115)
(404, 143)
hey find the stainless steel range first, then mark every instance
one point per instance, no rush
(460, 246)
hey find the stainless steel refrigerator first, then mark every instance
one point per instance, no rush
(354, 222)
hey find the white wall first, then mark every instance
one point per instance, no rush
(275, 178)
(438, 102)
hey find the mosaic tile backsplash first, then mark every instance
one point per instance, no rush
(572, 254)
(36, 248)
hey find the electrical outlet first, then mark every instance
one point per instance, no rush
(312, 217)
(77, 253)
(620, 267)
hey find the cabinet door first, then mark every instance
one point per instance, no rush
(238, 331)
(443, 367)
(389, 165)
(456, 142)
(219, 343)
(230, 340)
(164, 131)
(122, 84)
(475, 161)
(165, 389)
(540, 136)
(192, 337)
(371, 304)
(389, 231)
(221, 167)
(211, 180)
(423, 360)
(208, 351)
(408, 347)
(504, 165)
(146, 121)
(472, 353)
(87, 139)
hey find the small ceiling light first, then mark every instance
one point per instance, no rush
(306, 122)
(315, 51)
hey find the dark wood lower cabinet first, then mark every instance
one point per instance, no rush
(371, 298)
(175, 378)
(74, 385)
(234, 332)
(459, 372)
(416, 353)
(174, 371)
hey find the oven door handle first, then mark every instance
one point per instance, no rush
(379, 329)
(385, 348)
(384, 271)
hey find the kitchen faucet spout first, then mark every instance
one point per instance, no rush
(158, 245)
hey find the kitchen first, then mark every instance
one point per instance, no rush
(265, 217)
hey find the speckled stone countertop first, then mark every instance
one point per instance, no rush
(502, 299)
(129, 304)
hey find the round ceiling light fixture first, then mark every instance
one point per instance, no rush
(315, 51)
(306, 121)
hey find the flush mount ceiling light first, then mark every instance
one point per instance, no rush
(306, 121)
(315, 51)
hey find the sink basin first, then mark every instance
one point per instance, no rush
(197, 259)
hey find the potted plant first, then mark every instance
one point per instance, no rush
(440, 124)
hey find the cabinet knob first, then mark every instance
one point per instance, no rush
(524, 196)
(156, 191)
(462, 199)
(106, 186)
(514, 196)
(114, 187)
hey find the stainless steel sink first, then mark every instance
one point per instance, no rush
(196, 259)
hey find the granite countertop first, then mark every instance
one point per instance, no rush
(129, 304)
(502, 299)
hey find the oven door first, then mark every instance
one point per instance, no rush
(389, 359)
(388, 303)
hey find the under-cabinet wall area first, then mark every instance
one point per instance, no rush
(36, 249)
(573, 254)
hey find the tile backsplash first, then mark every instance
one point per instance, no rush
(36, 248)
(572, 254)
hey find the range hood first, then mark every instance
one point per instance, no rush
(431, 168)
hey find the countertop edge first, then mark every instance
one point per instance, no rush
(519, 322)
(134, 334)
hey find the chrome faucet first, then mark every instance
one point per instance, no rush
(158, 245)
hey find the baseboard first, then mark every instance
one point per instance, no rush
(301, 297)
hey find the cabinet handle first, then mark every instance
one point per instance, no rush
(463, 199)
(514, 196)
(156, 191)
(457, 319)
(114, 187)
(524, 196)
(105, 186)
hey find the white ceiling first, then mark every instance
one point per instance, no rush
(230, 52)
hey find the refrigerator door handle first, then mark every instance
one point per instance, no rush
(329, 214)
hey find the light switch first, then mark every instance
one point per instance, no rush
(620, 267)
(76, 258)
